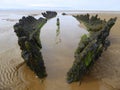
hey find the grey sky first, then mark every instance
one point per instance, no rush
(61, 4)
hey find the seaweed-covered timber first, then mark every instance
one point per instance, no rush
(93, 24)
(49, 14)
(64, 14)
(28, 31)
(89, 50)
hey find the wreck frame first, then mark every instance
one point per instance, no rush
(89, 48)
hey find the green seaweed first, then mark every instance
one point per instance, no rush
(88, 59)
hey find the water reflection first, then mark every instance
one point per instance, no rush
(58, 37)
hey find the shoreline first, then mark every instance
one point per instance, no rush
(60, 11)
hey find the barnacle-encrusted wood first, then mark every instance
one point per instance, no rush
(28, 31)
(90, 47)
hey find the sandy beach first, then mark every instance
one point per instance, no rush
(58, 54)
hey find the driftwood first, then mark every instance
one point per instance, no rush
(90, 47)
(28, 31)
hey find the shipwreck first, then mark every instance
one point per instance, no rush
(89, 49)
(90, 46)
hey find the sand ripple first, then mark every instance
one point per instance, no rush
(107, 68)
(9, 78)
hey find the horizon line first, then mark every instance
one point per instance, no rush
(61, 10)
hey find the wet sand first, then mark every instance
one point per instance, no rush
(107, 68)
(58, 53)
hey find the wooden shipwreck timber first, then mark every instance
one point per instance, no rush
(89, 48)
(28, 32)
(49, 14)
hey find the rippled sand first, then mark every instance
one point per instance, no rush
(58, 53)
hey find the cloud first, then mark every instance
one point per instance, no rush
(76, 4)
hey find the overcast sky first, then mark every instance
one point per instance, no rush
(61, 4)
